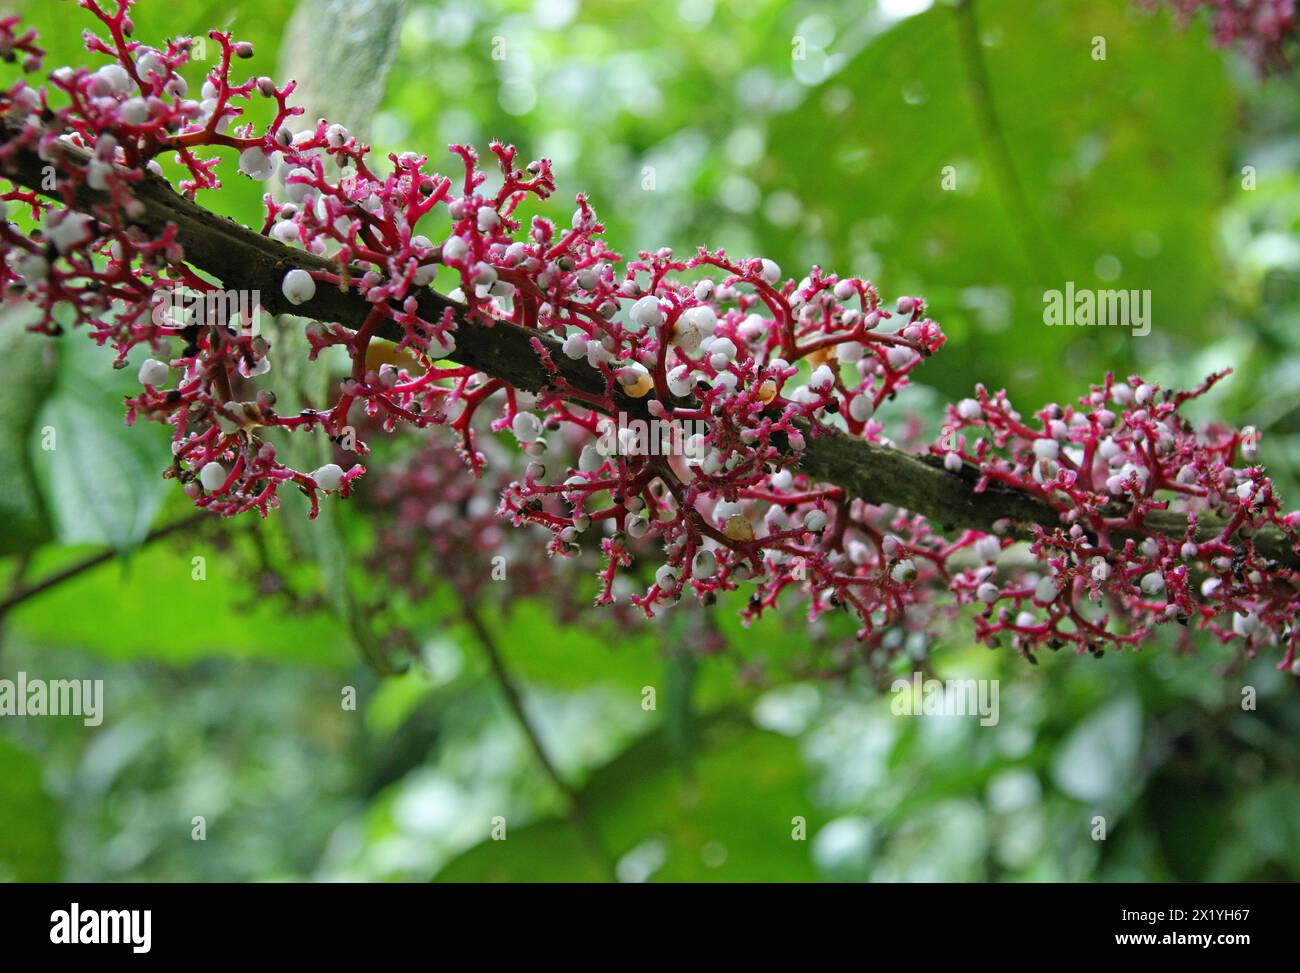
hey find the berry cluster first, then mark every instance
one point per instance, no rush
(1110, 466)
(753, 364)
(757, 364)
(435, 525)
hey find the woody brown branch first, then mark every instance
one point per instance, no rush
(243, 259)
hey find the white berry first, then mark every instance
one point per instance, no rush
(861, 407)
(454, 249)
(526, 427)
(254, 163)
(298, 286)
(904, 571)
(212, 476)
(645, 313)
(153, 372)
(704, 564)
(328, 477)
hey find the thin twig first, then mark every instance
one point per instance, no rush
(81, 567)
(15, 584)
(578, 814)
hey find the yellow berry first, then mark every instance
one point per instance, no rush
(738, 528)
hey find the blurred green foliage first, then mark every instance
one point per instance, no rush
(806, 131)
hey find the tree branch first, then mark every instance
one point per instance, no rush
(244, 259)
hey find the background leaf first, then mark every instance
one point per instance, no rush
(102, 482)
(29, 819)
(339, 52)
(25, 380)
(1095, 763)
(731, 822)
(1117, 197)
(151, 608)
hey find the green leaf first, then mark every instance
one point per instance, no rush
(541, 648)
(731, 822)
(679, 692)
(29, 820)
(101, 480)
(1097, 761)
(151, 607)
(339, 52)
(25, 380)
(550, 851)
(1092, 187)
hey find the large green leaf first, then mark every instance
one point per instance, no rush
(731, 821)
(1093, 169)
(548, 851)
(152, 607)
(543, 649)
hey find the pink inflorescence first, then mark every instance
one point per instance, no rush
(1104, 577)
(751, 364)
(434, 524)
(1265, 29)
